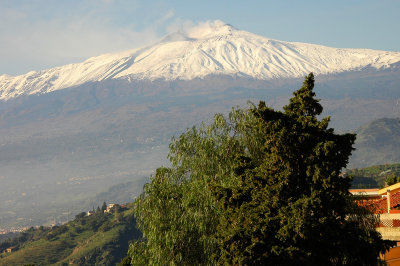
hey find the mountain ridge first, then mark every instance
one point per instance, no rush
(218, 49)
(377, 143)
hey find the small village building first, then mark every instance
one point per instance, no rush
(109, 207)
(10, 249)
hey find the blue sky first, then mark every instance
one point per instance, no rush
(39, 34)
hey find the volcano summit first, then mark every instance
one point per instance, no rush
(215, 49)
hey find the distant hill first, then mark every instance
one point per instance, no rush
(99, 239)
(377, 143)
(373, 176)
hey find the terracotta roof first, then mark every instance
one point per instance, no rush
(391, 188)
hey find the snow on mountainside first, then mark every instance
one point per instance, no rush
(214, 49)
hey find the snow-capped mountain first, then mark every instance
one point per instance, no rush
(218, 49)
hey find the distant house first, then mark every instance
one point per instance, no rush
(53, 224)
(109, 207)
(10, 249)
(90, 213)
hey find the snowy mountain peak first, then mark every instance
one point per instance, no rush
(211, 48)
(203, 31)
(211, 29)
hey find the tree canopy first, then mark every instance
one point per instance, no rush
(257, 187)
(392, 179)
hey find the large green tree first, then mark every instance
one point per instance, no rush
(291, 205)
(258, 187)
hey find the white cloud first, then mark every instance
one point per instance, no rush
(180, 25)
(193, 29)
(204, 28)
(168, 15)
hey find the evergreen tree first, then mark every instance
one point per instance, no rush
(291, 207)
(104, 207)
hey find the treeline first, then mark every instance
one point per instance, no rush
(374, 176)
(7, 236)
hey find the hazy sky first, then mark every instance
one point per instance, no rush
(39, 34)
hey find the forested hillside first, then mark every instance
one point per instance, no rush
(377, 143)
(99, 239)
(373, 176)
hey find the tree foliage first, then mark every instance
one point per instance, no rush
(391, 180)
(258, 187)
(177, 211)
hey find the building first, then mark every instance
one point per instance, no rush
(369, 193)
(10, 249)
(385, 203)
(109, 207)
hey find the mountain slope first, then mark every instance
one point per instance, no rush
(377, 142)
(218, 49)
(99, 239)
